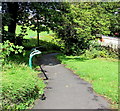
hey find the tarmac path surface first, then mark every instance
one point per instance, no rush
(65, 90)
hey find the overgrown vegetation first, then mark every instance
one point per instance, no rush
(8, 48)
(74, 23)
(101, 72)
(21, 85)
(96, 50)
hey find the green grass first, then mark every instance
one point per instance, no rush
(45, 45)
(102, 73)
(21, 85)
(46, 40)
(33, 34)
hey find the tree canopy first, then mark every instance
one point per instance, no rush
(74, 23)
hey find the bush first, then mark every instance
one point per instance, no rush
(20, 86)
(95, 50)
(8, 47)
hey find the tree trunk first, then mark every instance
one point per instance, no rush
(37, 31)
(12, 10)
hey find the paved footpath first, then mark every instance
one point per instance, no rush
(65, 90)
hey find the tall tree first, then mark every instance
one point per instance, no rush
(85, 21)
(75, 23)
(13, 11)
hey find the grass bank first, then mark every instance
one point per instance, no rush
(101, 73)
(21, 85)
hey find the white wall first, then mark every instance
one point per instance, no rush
(112, 42)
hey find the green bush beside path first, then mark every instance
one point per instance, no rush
(20, 86)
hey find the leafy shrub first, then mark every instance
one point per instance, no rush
(91, 54)
(20, 86)
(8, 47)
(95, 50)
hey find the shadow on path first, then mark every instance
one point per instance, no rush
(49, 60)
(65, 90)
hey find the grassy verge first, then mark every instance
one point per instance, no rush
(21, 85)
(102, 73)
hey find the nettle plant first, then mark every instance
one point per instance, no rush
(8, 48)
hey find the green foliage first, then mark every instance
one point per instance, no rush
(82, 22)
(8, 48)
(113, 10)
(20, 86)
(102, 73)
(74, 23)
(95, 50)
(45, 44)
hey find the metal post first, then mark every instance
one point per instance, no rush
(30, 62)
(44, 73)
(33, 53)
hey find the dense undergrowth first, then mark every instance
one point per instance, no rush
(21, 85)
(101, 72)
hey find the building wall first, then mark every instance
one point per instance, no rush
(112, 42)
